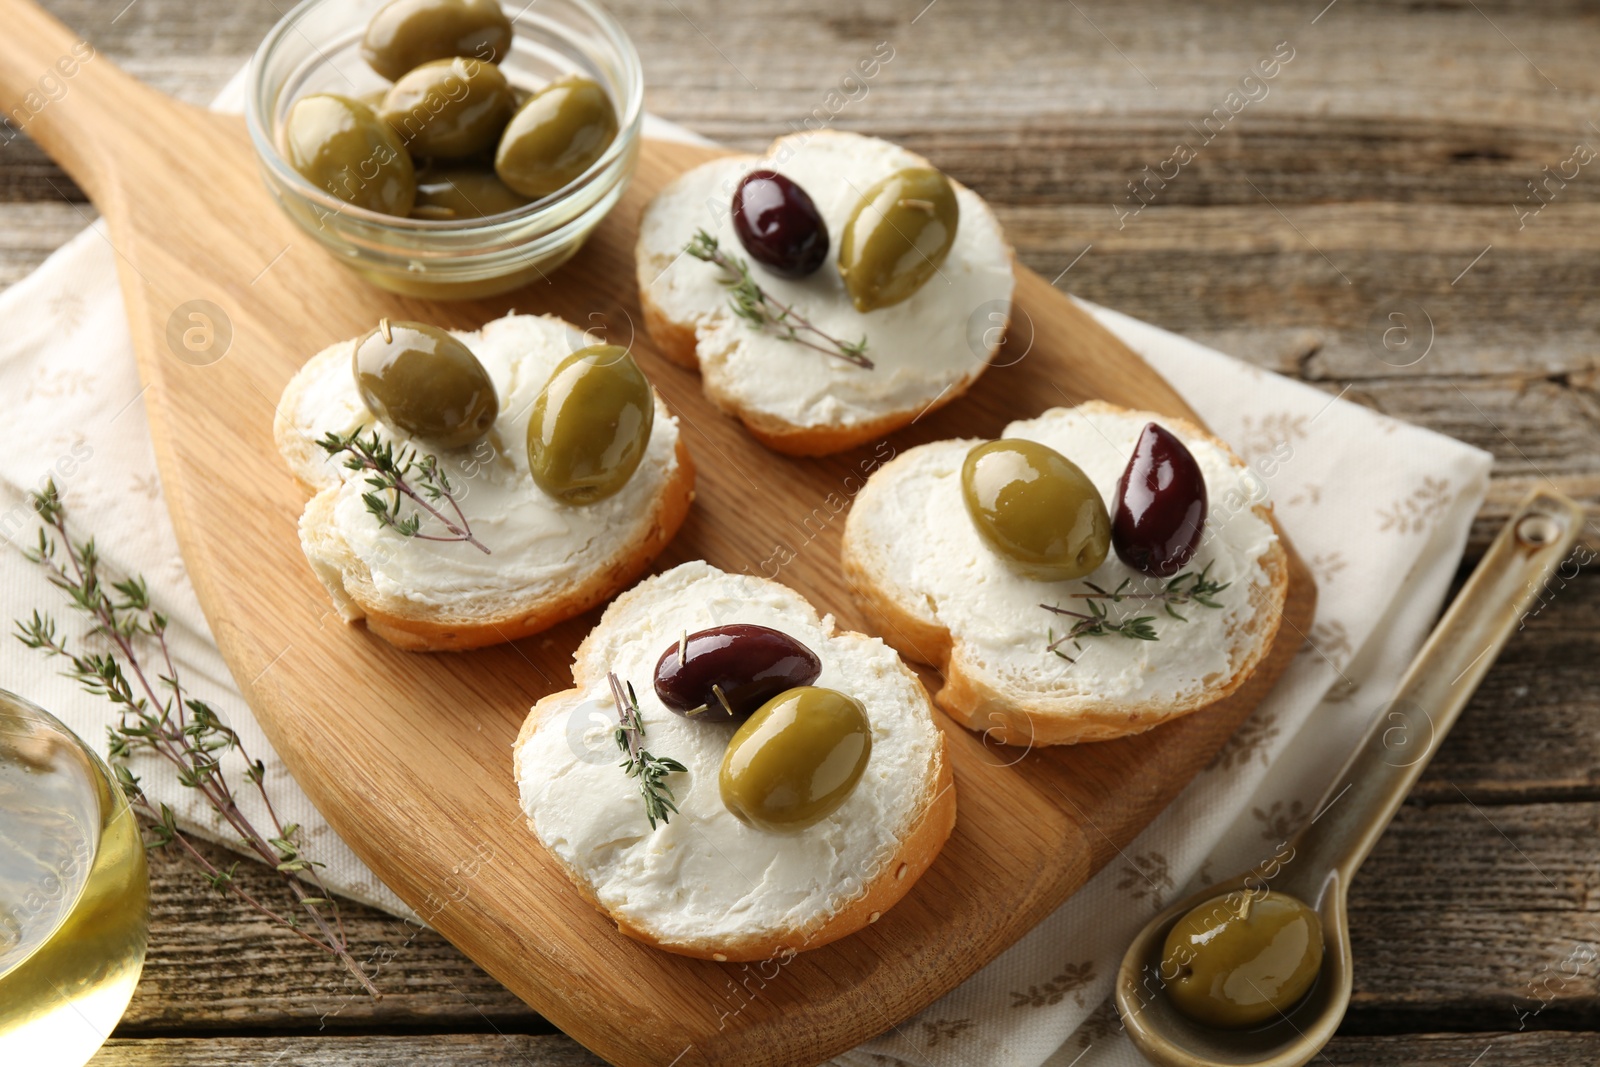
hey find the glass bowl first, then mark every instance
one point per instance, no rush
(317, 48)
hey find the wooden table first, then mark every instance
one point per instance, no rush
(1389, 160)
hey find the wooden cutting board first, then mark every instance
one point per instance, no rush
(409, 756)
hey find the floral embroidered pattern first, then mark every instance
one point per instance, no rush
(1341, 690)
(944, 1030)
(1308, 495)
(1415, 513)
(68, 306)
(51, 384)
(1278, 822)
(1324, 565)
(1072, 979)
(1259, 437)
(1330, 642)
(1101, 1024)
(1146, 875)
(1248, 741)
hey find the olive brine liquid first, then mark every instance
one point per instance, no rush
(74, 895)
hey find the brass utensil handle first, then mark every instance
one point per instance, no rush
(1491, 607)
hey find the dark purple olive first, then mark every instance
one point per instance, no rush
(726, 673)
(1159, 510)
(779, 225)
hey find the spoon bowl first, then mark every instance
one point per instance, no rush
(1169, 1038)
(1316, 865)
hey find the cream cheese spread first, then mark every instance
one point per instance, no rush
(937, 338)
(994, 615)
(537, 543)
(706, 876)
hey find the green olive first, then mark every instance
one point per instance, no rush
(796, 759)
(555, 136)
(590, 425)
(419, 379)
(1242, 959)
(449, 108)
(463, 193)
(897, 236)
(1035, 508)
(341, 145)
(408, 33)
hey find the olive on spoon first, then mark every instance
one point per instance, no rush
(1186, 1007)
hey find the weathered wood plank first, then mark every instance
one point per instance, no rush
(1434, 101)
(1531, 732)
(1464, 1050)
(30, 232)
(215, 965)
(1535, 1049)
(423, 1050)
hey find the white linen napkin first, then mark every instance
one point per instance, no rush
(1380, 511)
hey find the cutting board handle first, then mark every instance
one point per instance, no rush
(80, 107)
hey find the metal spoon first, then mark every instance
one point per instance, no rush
(1319, 862)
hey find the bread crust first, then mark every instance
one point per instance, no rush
(676, 340)
(416, 628)
(415, 631)
(933, 824)
(1010, 715)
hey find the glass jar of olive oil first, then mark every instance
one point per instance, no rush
(74, 893)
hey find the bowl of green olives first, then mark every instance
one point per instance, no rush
(447, 149)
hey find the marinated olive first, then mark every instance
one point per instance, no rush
(796, 759)
(1159, 510)
(419, 379)
(408, 33)
(1242, 959)
(463, 194)
(1035, 508)
(897, 236)
(590, 425)
(341, 145)
(725, 673)
(555, 136)
(449, 108)
(779, 225)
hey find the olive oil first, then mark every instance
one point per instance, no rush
(74, 894)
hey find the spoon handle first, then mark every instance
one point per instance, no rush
(1493, 604)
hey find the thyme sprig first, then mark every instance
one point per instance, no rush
(764, 312)
(640, 763)
(1096, 623)
(398, 476)
(157, 714)
(1179, 591)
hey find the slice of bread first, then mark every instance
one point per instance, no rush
(705, 884)
(941, 596)
(926, 350)
(548, 561)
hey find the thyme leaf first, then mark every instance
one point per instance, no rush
(395, 477)
(1178, 591)
(640, 763)
(764, 312)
